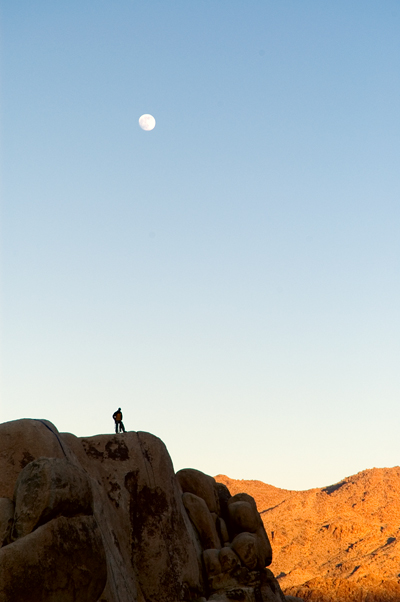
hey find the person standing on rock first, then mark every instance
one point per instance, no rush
(118, 421)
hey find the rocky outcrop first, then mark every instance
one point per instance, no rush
(48, 488)
(51, 548)
(150, 543)
(105, 519)
(235, 546)
(62, 561)
(338, 543)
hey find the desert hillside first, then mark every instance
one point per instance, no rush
(340, 537)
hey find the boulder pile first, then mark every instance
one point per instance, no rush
(235, 546)
(105, 519)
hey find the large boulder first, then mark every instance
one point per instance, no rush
(245, 546)
(200, 484)
(211, 562)
(153, 553)
(201, 517)
(243, 517)
(239, 517)
(162, 543)
(21, 442)
(62, 561)
(229, 560)
(223, 495)
(48, 488)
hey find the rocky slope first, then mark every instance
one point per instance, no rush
(106, 519)
(340, 542)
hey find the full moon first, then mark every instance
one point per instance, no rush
(147, 122)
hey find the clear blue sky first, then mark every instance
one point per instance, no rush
(232, 278)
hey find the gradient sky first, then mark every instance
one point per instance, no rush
(230, 279)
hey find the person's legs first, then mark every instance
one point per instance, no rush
(121, 426)
(116, 427)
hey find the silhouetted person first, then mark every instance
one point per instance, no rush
(118, 421)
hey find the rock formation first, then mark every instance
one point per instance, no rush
(105, 519)
(340, 542)
(234, 543)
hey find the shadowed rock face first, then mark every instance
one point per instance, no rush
(235, 545)
(103, 519)
(61, 561)
(48, 488)
(52, 549)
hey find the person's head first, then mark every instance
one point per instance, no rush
(119, 409)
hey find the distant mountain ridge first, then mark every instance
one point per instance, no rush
(338, 542)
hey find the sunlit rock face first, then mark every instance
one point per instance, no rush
(105, 519)
(338, 543)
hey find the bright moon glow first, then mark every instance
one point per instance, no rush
(147, 122)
